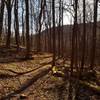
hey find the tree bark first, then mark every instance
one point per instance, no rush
(83, 38)
(16, 24)
(93, 48)
(53, 35)
(27, 30)
(1, 16)
(9, 9)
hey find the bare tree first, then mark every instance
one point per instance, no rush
(23, 24)
(53, 36)
(9, 4)
(40, 24)
(83, 37)
(16, 24)
(1, 15)
(73, 49)
(93, 48)
(27, 30)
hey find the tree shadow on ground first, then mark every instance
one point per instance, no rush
(8, 55)
(59, 90)
(28, 83)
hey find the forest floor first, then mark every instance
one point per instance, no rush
(33, 79)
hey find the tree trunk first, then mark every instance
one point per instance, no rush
(1, 16)
(40, 25)
(53, 35)
(83, 38)
(93, 48)
(27, 30)
(9, 9)
(16, 24)
(23, 33)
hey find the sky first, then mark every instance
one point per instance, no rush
(68, 19)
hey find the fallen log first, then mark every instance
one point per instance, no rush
(90, 86)
(36, 75)
(20, 73)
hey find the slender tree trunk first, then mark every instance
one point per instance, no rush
(9, 8)
(23, 33)
(16, 24)
(40, 25)
(31, 6)
(73, 49)
(49, 23)
(1, 16)
(27, 30)
(53, 18)
(74, 38)
(83, 38)
(59, 31)
(93, 48)
(62, 39)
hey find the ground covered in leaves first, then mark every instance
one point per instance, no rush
(16, 71)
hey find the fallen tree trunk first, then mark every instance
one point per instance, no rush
(16, 74)
(37, 74)
(92, 87)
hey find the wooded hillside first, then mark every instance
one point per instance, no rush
(50, 49)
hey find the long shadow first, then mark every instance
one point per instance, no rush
(7, 60)
(59, 89)
(81, 92)
(8, 55)
(4, 58)
(61, 92)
